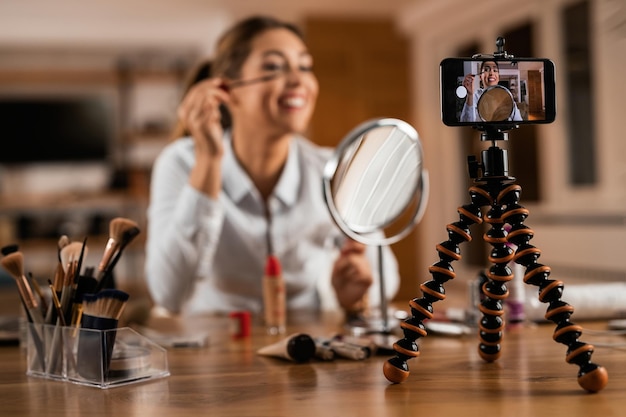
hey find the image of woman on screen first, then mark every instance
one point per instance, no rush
(489, 75)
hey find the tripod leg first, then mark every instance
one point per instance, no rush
(396, 369)
(492, 324)
(591, 377)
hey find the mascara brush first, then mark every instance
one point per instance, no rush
(241, 83)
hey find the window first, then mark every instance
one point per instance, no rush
(578, 88)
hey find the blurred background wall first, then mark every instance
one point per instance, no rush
(128, 60)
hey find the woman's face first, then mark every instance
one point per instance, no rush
(284, 102)
(490, 74)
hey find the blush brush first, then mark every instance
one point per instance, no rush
(121, 232)
(13, 263)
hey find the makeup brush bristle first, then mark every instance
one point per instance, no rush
(130, 233)
(14, 264)
(70, 254)
(107, 303)
(120, 230)
(119, 226)
(9, 249)
(63, 241)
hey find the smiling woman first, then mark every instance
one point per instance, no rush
(225, 199)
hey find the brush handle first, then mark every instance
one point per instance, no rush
(36, 336)
(105, 280)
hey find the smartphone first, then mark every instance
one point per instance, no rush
(497, 91)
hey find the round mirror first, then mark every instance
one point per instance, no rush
(376, 191)
(496, 104)
(376, 183)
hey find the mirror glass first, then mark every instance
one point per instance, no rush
(496, 104)
(376, 191)
(376, 182)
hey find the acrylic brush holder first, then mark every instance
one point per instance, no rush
(98, 358)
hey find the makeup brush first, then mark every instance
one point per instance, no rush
(37, 288)
(101, 311)
(81, 257)
(106, 304)
(13, 263)
(59, 274)
(52, 360)
(85, 285)
(63, 241)
(122, 232)
(70, 256)
(57, 303)
(117, 227)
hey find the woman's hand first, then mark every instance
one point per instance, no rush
(200, 113)
(468, 83)
(351, 275)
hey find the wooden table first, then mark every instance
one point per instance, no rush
(228, 378)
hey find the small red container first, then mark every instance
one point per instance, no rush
(240, 324)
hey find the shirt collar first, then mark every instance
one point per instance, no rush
(237, 184)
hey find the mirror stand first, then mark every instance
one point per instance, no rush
(384, 312)
(376, 192)
(361, 323)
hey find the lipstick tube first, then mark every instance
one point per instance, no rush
(274, 300)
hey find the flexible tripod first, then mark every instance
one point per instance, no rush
(499, 192)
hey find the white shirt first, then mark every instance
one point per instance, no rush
(206, 255)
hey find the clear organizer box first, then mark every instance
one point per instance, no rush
(98, 358)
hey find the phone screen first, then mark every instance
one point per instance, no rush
(496, 91)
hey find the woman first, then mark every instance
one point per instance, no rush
(489, 76)
(224, 198)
